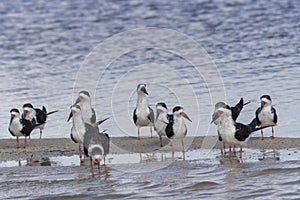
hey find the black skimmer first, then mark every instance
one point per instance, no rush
(235, 110)
(41, 117)
(176, 128)
(96, 145)
(143, 115)
(80, 128)
(29, 114)
(19, 127)
(161, 120)
(22, 126)
(234, 133)
(266, 114)
(88, 113)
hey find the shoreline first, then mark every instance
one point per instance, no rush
(40, 148)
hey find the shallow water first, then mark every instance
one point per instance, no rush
(261, 174)
(51, 50)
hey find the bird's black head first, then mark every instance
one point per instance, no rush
(266, 97)
(15, 110)
(177, 108)
(85, 93)
(162, 104)
(75, 106)
(27, 105)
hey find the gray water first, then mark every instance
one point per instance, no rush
(208, 51)
(262, 175)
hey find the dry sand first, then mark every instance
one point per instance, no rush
(64, 146)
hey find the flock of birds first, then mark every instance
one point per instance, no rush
(229, 131)
(95, 142)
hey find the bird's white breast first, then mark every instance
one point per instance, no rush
(142, 112)
(179, 127)
(78, 129)
(227, 131)
(266, 116)
(16, 127)
(161, 124)
(86, 112)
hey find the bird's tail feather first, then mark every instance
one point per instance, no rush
(49, 113)
(101, 121)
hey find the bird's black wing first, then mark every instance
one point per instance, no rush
(93, 119)
(242, 131)
(86, 152)
(50, 113)
(101, 121)
(170, 118)
(73, 139)
(256, 115)
(134, 116)
(237, 109)
(275, 115)
(11, 119)
(44, 110)
(105, 142)
(28, 126)
(219, 136)
(169, 130)
(12, 133)
(151, 115)
(41, 116)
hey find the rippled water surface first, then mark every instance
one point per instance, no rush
(262, 174)
(49, 50)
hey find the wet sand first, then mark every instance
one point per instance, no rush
(66, 147)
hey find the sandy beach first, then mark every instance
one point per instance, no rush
(65, 147)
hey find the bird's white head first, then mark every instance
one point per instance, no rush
(75, 109)
(96, 152)
(14, 113)
(179, 112)
(265, 100)
(83, 97)
(161, 108)
(141, 89)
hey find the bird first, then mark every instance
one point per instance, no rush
(234, 133)
(22, 126)
(88, 113)
(266, 115)
(143, 115)
(29, 112)
(235, 110)
(41, 118)
(96, 145)
(176, 128)
(18, 127)
(80, 128)
(161, 120)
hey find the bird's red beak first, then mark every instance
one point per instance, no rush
(73, 112)
(13, 115)
(159, 110)
(98, 160)
(220, 112)
(80, 98)
(185, 116)
(263, 103)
